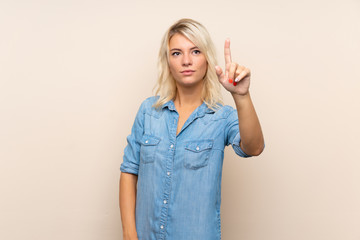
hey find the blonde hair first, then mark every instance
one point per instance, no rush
(165, 86)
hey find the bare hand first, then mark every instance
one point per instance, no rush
(236, 78)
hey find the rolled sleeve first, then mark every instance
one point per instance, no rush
(131, 158)
(233, 134)
(236, 146)
(130, 162)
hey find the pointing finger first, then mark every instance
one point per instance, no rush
(227, 51)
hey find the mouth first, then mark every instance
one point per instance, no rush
(187, 72)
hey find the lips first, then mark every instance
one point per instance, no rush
(187, 72)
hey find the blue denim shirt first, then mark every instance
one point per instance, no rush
(179, 176)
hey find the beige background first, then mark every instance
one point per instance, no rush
(73, 74)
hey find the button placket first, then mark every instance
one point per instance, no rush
(168, 178)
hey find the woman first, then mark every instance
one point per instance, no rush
(170, 185)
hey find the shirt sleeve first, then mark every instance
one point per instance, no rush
(131, 157)
(233, 135)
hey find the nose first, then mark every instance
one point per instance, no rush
(187, 60)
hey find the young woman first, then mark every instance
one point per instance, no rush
(170, 185)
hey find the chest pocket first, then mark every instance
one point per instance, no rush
(197, 153)
(148, 148)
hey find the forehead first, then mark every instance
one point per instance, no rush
(180, 41)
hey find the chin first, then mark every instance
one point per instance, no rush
(189, 83)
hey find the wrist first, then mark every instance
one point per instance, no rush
(240, 97)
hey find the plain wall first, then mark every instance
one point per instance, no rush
(73, 74)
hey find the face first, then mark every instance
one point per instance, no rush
(187, 63)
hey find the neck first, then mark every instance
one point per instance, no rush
(188, 97)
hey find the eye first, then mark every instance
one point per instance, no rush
(175, 53)
(196, 52)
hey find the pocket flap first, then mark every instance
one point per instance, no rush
(199, 145)
(149, 140)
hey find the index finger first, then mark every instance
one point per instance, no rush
(227, 51)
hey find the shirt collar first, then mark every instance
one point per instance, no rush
(170, 105)
(200, 111)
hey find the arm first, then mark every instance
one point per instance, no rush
(127, 202)
(237, 81)
(129, 177)
(252, 140)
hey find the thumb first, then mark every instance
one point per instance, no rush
(219, 72)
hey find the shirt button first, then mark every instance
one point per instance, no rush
(197, 148)
(165, 202)
(168, 173)
(146, 141)
(171, 146)
(161, 226)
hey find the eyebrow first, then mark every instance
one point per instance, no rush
(178, 49)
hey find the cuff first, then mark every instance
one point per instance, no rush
(129, 169)
(236, 146)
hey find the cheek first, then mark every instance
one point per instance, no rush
(173, 70)
(172, 66)
(204, 66)
(203, 62)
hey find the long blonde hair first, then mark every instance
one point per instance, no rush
(165, 87)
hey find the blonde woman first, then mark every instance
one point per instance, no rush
(170, 185)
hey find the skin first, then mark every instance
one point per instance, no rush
(127, 203)
(184, 55)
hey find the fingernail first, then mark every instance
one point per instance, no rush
(230, 80)
(237, 80)
(235, 83)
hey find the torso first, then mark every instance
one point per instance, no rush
(172, 166)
